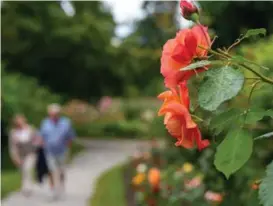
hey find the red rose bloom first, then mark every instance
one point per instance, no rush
(178, 120)
(181, 51)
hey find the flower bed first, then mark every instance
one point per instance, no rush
(162, 177)
(155, 182)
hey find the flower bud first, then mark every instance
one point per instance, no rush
(189, 10)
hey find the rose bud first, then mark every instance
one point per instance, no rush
(189, 10)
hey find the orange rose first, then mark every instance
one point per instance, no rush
(181, 51)
(178, 119)
(154, 177)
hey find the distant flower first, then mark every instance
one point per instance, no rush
(193, 183)
(213, 196)
(105, 103)
(141, 168)
(255, 186)
(148, 115)
(154, 177)
(187, 167)
(137, 155)
(138, 179)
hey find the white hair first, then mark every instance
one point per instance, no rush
(56, 108)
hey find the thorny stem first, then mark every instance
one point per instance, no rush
(213, 40)
(249, 98)
(235, 43)
(263, 78)
(248, 61)
(252, 90)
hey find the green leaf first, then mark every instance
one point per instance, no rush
(196, 65)
(266, 187)
(235, 116)
(256, 114)
(226, 119)
(233, 152)
(218, 86)
(255, 32)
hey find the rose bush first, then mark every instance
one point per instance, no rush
(222, 77)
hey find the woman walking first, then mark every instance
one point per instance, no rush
(22, 147)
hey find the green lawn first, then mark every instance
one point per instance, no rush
(110, 188)
(10, 181)
(10, 176)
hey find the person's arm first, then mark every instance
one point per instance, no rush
(13, 150)
(37, 139)
(70, 135)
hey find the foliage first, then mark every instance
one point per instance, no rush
(266, 188)
(229, 157)
(81, 49)
(187, 55)
(216, 87)
(22, 94)
(125, 118)
(237, 116)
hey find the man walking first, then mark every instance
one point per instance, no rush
(57, 134)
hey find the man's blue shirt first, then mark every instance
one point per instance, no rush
(56, 135)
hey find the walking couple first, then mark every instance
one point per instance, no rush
(54, 138)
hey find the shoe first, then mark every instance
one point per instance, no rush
(53, 195)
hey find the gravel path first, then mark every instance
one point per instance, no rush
(82, 174)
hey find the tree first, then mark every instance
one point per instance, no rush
(70, 54)
(144, 46)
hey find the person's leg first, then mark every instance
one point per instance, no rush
(54, 179)
(51, 180)
(62, 165)
(27, 168)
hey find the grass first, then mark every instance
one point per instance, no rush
(10, 176)
(110, 188)
(10, 181)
